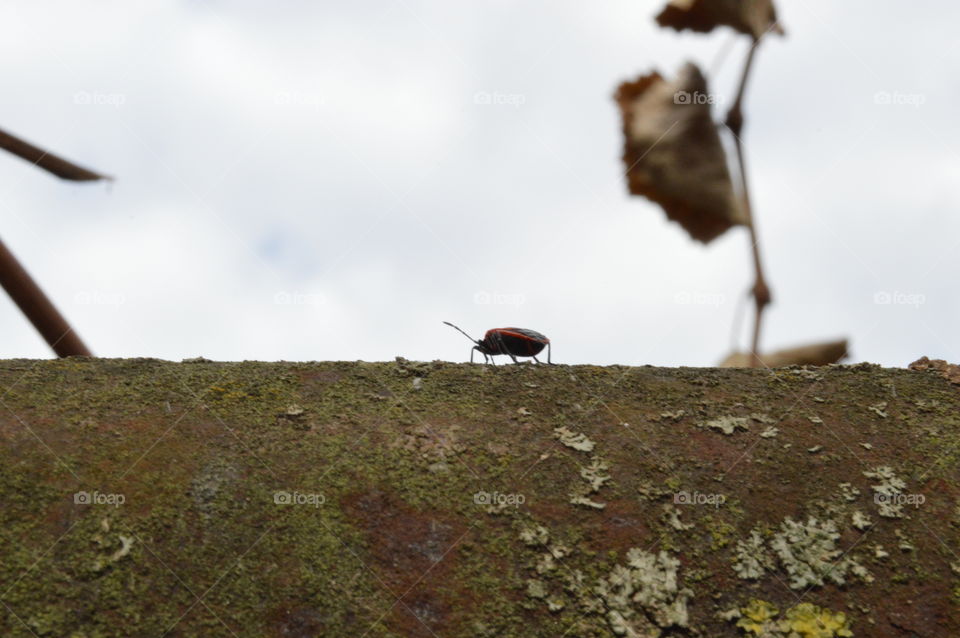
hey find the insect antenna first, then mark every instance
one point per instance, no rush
(461, 332)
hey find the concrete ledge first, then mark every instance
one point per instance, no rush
(146, 498)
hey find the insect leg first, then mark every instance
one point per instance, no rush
(502, 347)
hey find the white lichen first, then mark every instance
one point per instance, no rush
(671, 516)
(861, 521)
(575, 440)
(848, 492)
(126, 544)
(585, 501)
(879, 409)
(595, 474)
(559, 550)
(861, 572)
(534, 535)
(545, 564)
(575, 584)
(595, 477)
(753, 558)
(728, 424)
(550, 559)
(807, 373)
(887, 493)
(903, 542)
(650, 492)
(809, 554)
(536, 588)
(294, 410)
(644, 597)
(729, 614)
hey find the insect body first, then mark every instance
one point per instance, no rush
(515, 342)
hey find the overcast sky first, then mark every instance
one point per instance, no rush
(333, 180)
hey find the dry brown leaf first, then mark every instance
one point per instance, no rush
(950, 371)
(47, 161)
(750, 17)
(673, 154)
(816, 354)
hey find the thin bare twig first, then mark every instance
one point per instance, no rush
(38, 308)
(49, 162)
(17, 281)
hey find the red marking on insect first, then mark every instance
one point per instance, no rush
(515, 342)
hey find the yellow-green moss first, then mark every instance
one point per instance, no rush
(804, 620)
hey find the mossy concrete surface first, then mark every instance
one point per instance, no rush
(147, 498)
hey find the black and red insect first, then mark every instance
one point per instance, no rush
(515, 342)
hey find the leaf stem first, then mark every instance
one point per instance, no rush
(761, 292)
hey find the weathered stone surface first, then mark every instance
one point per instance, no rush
(146, 498)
